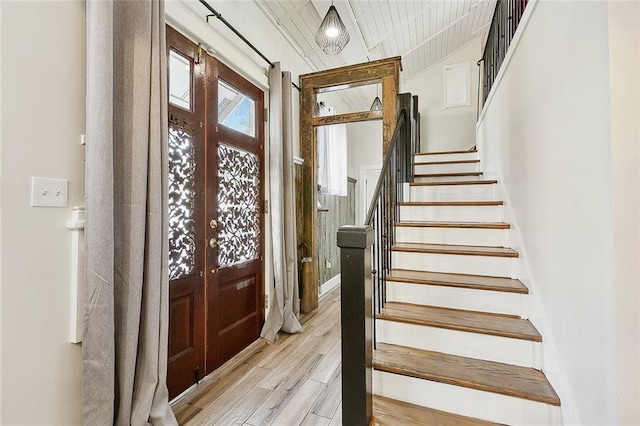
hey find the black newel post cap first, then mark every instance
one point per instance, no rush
(355, 236)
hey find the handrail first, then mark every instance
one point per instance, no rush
(384, 209)
(385, 166)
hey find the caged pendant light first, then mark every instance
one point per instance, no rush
(377, 103)
(332, 36)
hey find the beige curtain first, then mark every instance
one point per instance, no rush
(284, 305)
(124, 346)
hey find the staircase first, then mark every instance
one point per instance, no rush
(454, 346)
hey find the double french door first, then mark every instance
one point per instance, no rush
(216, 229)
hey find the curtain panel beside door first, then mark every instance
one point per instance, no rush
(124, 352)
(284, 306)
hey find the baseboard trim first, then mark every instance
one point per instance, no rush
(329, 285)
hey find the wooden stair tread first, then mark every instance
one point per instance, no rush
(391, 412)
(446, 152)
(490, 376)
(453, 174)
(461, 320)
(446, 162)
(475, 225)
(455, 249)
(452, 203)
(479, 282)
(456, 182)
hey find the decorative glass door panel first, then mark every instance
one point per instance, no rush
(182, 203)
(238, 206)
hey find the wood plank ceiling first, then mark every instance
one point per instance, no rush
(423, 32)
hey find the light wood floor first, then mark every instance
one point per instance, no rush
(294, 381)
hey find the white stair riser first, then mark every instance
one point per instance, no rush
(463, 236)
(431, 158)
(498, 302)
(456, 264)
(473, 345)
(451, 213)
(420, 179)
(446, 168)
(468, 402)
(483, 192)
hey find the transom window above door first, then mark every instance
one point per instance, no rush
(236, 110)
(180, 80)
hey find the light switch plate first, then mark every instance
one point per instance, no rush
(49, 192)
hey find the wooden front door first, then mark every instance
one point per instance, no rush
(216, 230)
(235, 230)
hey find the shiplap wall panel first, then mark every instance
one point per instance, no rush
(337, 211)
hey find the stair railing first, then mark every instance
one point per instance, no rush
(504, 23)
(365, 262)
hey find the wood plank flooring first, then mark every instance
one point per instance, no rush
(294, 381)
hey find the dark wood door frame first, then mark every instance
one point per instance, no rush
(386, 72)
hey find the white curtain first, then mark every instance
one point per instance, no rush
(284, 304)
(124, 348)
(332, 156)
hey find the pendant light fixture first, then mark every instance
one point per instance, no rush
(332, 36)
(377, 103)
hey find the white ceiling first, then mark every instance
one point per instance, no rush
(422, 32)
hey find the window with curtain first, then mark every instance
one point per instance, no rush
(332, 155)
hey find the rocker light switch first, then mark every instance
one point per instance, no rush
(49, 192)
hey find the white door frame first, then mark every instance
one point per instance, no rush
(364, 205)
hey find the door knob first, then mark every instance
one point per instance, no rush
(213, 224)
(213, 243)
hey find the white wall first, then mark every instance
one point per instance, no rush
(364, 143)
(546, 133)
(43, 89)
(624, 68)
(448, 129)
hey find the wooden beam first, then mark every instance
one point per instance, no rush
(353, 74)
(309, 293)
(351, 117)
